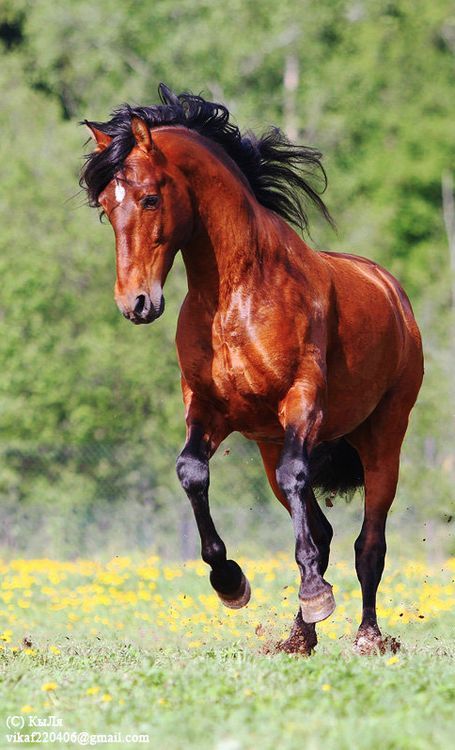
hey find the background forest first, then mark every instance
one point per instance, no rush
(90, 408)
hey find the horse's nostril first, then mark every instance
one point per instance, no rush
(140, 304)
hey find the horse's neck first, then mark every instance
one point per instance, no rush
(235, 239)
(221, 253)
(240, 250)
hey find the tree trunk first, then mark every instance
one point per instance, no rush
(291, 83)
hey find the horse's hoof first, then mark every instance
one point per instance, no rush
(239, 598)
(297, 643)
(319, 607)
(367, 644)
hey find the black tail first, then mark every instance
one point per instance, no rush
(336, 469)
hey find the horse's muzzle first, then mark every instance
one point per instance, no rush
(145, 310)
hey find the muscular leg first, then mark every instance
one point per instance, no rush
(301, 414)
(226, 576)
(302, 638)
(370, 549)
(378, 443)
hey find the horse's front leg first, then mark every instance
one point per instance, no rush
(302, 639)
(226, 576)
(301, 413)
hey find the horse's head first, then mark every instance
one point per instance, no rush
(140, 175)
(148, 204)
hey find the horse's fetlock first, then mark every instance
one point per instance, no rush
(214, 553)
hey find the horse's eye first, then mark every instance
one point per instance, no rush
(150, 201)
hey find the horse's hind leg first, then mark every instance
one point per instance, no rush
(321, 530)
(378, 442)
(226, 576)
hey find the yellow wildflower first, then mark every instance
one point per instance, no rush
(47, 686)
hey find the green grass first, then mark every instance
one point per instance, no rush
(236, 698)
(190, 683)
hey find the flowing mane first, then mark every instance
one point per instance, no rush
(280, 174)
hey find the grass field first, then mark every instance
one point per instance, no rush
(142, 647)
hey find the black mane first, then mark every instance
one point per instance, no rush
(277, 171)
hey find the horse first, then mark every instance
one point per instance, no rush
(315, 356)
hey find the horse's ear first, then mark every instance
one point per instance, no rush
(167, 96)
(103, 140)
(141, 132)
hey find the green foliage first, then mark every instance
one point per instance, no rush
(100, 398)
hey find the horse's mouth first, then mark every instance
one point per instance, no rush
(141, 321)
(137, 320)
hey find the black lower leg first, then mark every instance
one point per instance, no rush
(302, 638)
(321, 530)
(292, 478)
(370, 549)
(316, 598)
(193, 471)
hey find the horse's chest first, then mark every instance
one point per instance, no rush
(241, 380)
(239, 367)
(235, 375)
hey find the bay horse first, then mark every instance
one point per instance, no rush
(316, 356)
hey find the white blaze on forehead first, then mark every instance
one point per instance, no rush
(119, 192)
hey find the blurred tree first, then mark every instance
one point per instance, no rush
(90, 407)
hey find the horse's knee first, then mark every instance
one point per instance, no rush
(292, 475)
(193, 472)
